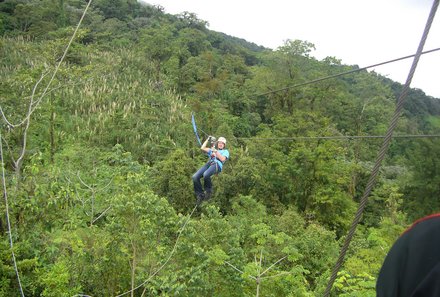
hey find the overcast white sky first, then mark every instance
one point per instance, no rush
(361, 32)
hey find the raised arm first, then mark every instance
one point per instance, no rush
(204, 146)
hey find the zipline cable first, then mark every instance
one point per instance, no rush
(344, 73)
(319, 80)
(8, 221)
(338, 137)
(382, 151)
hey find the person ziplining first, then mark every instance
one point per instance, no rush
(217, 156)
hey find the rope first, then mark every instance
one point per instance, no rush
(382, 151)
(166, 261)
(5, 195)
(344, 73)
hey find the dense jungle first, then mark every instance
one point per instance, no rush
(98, 151)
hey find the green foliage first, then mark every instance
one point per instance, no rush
(55, 280)
(421, 187)
(361, 285)
(169, 178)
(155, 44)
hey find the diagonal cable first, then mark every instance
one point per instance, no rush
(345, 73)
(382, 151)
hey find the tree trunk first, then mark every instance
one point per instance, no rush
(52, 129)
(133, 268)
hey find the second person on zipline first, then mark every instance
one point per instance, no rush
(217, 157)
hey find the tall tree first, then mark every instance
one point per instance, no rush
(157, 45)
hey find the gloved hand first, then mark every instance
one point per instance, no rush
(211, 139)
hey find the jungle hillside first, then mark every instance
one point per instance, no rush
(98, 152)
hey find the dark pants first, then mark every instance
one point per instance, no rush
(206, 171)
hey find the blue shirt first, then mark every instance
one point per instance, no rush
(223, 152)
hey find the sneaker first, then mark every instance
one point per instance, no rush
(200, 198)
(208, 195)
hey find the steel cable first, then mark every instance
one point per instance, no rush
(382, 151)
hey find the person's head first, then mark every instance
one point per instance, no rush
(221, 142)
(412, 266)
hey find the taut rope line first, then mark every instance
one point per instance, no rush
(382, 151)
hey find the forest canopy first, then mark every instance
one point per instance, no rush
(97, 160)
